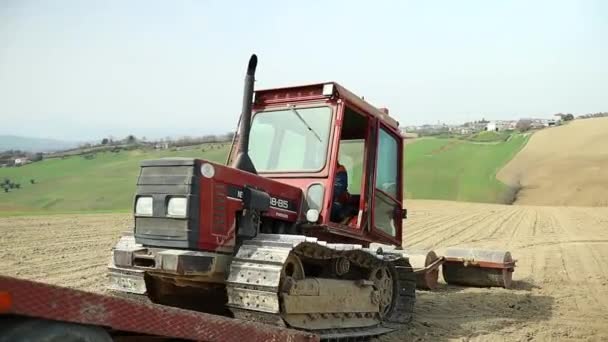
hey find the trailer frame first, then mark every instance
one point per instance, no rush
(121, 316)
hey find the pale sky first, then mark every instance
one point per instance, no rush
(87, 69)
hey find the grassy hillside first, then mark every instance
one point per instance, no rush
(490, 136)
(459, 170)
(105, 183)
(448, 169)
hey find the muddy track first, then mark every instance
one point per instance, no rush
(560, 286)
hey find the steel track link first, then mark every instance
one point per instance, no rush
(253, 284)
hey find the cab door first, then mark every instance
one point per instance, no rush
(387, 212)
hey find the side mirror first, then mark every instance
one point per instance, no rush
(399, 212)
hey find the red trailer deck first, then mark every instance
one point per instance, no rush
(124, 317)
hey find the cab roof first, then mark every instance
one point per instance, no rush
(310, 92)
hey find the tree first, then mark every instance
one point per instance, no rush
(229, 136)
(105, 141)
(37, 157)
(131, 139)
(568, 117)
(523, 125)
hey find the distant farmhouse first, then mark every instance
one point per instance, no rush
(541, 123)
(9, 161)
(501, 125)
(469, 128)
(20, 161)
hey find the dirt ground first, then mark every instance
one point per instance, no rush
(565, 165)
(561, 282)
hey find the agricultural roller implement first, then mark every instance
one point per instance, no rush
(478, 267)
(461, 266)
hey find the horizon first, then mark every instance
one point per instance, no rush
(177, 137)
(85, 70)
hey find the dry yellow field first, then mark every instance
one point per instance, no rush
(561, 282)
(565, 165)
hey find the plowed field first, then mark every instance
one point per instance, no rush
(560, 290)
(565, 165)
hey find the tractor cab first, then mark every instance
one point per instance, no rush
(345, 154)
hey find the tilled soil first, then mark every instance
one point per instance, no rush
(563, 166)
(560, 285)
(67, 250)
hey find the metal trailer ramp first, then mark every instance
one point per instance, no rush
(26, 298)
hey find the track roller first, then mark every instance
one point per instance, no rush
(475, 267)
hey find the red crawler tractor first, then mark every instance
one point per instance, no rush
(302, 231)
(282, 233)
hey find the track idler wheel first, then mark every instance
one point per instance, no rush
(475, 267)
(384, 283)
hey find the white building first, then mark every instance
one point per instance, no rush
(501, 125)
(20, 161)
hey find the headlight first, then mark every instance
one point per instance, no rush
(328, 89)
(177, 206)
(312, 215)
(207, 170)
(314, 196)
(143, 206)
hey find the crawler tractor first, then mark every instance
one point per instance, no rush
(301, 228)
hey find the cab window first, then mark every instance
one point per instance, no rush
(387, 181)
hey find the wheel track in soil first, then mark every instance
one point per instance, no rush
(562, 263)
(585, 263)
(479, 228)
(439, 238)
(425, 227)
(430, 233)
(561, 282)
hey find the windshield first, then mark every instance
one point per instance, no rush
(283, 141)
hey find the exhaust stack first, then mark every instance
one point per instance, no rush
(242, 160)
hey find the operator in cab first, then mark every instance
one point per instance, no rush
(341, 209)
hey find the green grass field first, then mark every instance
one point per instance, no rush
(451, 169)
(490, 136)
(76, 184)
(448, 169)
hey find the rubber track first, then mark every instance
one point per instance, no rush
(268, 251)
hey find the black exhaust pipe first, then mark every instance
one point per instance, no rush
(242, 160)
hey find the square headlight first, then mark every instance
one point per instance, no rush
(143, 206)
(177, 206)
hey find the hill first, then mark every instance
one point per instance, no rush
(565, 165)
(13, 142)
(459, 170)
(434, 169)
(103, 183)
